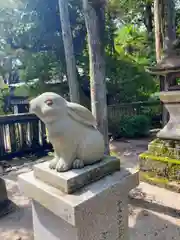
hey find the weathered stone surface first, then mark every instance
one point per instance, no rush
(72, 180)
(66, 205)
(160, 182)
(170, 97)
(6, 206)
(3, 192)
(158, 166)
(71, 130)
(98, 211)
(164, 148)
(171, 100)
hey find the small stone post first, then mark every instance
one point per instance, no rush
(6, 206)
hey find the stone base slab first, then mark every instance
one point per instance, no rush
(158, 166)
(169, 132)
(75, 179)
(170, 96)
(160, 182)
(72, 208)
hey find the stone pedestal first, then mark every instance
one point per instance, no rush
(3, 192)
(6, 206)
(96, 210)
(172, 103)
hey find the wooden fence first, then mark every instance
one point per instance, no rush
(151, 109)
(24, 133)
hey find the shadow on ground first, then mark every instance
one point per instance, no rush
(128, 150)
(156, 207)
(149, 225)
(151, 218)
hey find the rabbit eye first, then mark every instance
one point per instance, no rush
(49, 102)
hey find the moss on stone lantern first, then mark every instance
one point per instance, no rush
(161, 163)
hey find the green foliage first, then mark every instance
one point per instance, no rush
(136, 44)
(40, 28)
(1, 108)
(4, 92)
(38, 36)
(43, 72)
(128, 81)
(129, 11)
(42, 65)
(136, 126)
(126, 67)
(129, 127)
(128, 47)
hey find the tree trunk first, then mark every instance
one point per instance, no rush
(165, 34)
(169, 38)
(148, 18)
(169, 24)
(93, 19)
(157, 29)
(69, 51)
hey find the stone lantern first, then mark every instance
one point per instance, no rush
(169, 68)
(160, 165)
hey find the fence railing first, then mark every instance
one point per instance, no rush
(152, 109)
(22, 134)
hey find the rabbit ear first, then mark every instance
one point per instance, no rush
(81, 114)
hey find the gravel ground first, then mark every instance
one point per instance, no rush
(154, 213)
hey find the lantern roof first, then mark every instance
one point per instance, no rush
(170, 63)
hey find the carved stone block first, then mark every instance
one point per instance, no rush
(97, 211)
(72, 180)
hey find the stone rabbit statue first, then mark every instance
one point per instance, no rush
(71, 130)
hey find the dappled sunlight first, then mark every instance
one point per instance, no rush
(17, 224)
(113, 58)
